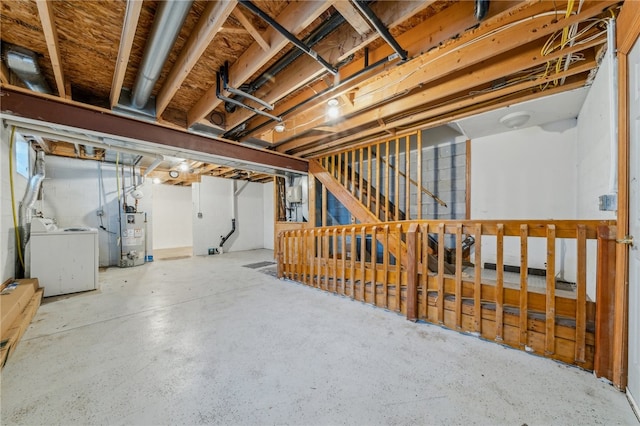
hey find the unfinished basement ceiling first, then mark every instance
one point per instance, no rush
(391, 66)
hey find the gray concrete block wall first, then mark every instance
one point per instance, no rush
(444, 174)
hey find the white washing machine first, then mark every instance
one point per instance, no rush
(65, 260)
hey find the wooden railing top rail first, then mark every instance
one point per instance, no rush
(536, 228)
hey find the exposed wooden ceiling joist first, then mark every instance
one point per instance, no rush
(296, 17)
(214, 16)
(132, 15)
(47, 20)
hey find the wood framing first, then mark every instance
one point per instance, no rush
(47, 20)
(129, 25)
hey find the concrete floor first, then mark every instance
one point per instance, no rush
(205, 340)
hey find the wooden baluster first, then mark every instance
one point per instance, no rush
(550, 336)
(440, 301)
(374, 264)
(363, 257)
(343, 261)
(407, 181)
(369, 167)
(412, 272)
(378, 182)
(477, 283)
(459, 276)
(360, 176)
(353, 262)
(419, 170)
(385, 266)
(386, 181)
(524, 289)
(581, 301)
(298, 255)
(399, 267)
(339, 171)
(312, 247)
(335, 260)
(424, 234)
(353, 172)
(500, 282)
(397, 183)
(324, 205)
(319, 255)
(327, 264)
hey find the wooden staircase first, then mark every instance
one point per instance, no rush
(365, 214)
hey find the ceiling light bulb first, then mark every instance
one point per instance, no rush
(515, 119)
(156, 180)
(333, 102)
(333, 112)
(184, 167)
(279, 127)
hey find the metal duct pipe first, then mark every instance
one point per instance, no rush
(24, 63)
(153, 166)
(169, 19)
(25, 211)
(481, 9)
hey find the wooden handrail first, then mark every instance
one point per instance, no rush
(549, 321)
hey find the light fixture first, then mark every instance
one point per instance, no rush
(279, 127)
(333, 111)
(157, 180)
(184, 167)
(515, 119)
(174, 173)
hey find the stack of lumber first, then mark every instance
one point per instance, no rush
(19, 301)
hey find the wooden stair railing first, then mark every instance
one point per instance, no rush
(364, 215)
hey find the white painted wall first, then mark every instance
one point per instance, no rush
(594, 138)
(8, 254)
(73, 192)
(268, 215)
(214, 198)
(172, 216)
(526, 174)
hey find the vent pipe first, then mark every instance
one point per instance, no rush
(24, 63)
(29, 199)
(169, 19)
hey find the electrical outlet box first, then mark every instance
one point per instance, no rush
(608, 202)
(199, 215)
(100, 212)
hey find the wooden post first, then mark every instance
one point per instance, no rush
(280, 257)
(550, 314)
(399, 268)
(353, 262)
(385, 267)
(477, 280)
(458, 289)
(581, 298)
(524, 285)
(412, 273)
(440, 300)
(500, 282)
(605, 302)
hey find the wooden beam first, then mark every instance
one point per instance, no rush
(5, 77)
(129, 26)
(341, 44)
(605, 305)
(47, 19)
(210, 22)
(465, 52)
(49, 110)
(253, 31)
(352, 16)
(296, 17)
(434, 94)
(431, 118)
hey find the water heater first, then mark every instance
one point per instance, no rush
(133, 239)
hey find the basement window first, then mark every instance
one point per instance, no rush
(22, 157)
